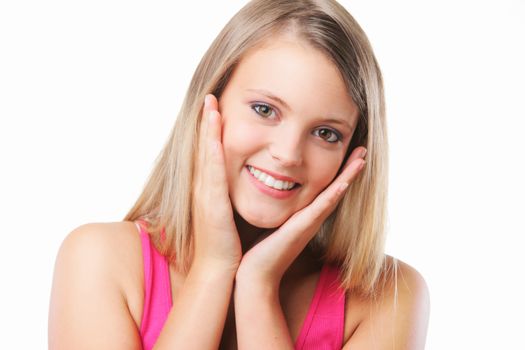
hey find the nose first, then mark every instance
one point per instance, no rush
(286, 149)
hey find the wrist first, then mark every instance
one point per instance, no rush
(212, 270)
(257, 289)
(257, 278)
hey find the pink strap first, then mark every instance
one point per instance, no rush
(324, 324)
(157, 291)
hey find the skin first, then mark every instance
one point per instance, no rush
(293, 140)
(248, 246)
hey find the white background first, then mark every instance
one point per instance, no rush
(90, 89)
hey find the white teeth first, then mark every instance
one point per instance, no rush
(270, 181)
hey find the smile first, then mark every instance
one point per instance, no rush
(270, 181)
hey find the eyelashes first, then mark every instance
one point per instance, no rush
(329, 135)
(257, 107)
(332, 136)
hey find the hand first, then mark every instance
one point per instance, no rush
(216, 239)
(267, 261)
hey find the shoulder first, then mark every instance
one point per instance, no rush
(94, 269)
(112, 249)
(397, 316)
(97, 237)
(402, 281)
(105, 240)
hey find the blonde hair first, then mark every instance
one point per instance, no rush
(353, 235)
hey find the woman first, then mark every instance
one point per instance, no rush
(262, 224)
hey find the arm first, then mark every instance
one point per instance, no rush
(396, 322)
(88, 308)
(259, 317)
(263, 323)
(197, 318)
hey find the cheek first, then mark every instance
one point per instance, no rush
(323, 170)
(241, 140)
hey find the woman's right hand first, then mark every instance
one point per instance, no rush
(216, 240)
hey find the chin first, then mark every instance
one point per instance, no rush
(263, 221)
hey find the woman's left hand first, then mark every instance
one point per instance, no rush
(266, 262)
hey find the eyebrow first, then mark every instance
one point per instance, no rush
(286, 106)
(271, 96)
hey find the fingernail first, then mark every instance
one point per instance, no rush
(362, 154)
(207, 101)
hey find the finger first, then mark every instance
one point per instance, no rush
(209, 106)
(327, 200)
(201, 142)
(357, 158)
(290, 239)
(213, 121)
(303, 225)
(216, 172)
(204, 148)
(357, 153)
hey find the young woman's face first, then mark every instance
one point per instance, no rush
(297, 137)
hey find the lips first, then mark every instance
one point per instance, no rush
(277, 176)
(281, 194)
(270, 181)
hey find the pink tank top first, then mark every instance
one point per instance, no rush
(322, 328)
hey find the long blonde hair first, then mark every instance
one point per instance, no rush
(353, 235)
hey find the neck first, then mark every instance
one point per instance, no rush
(249, 234)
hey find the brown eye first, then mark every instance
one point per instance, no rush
(264, 111)
(328, 135)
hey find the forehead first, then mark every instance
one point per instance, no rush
(297, 73)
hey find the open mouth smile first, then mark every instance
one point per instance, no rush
(270, 181)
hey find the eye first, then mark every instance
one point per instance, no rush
(264, 110)
(328, 135)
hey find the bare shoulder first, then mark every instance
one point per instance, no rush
(94, 269)
(112, 247)
(397, 317)
(402, 281)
